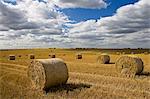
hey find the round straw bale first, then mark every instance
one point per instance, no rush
(123, 52)
(79, 56)
(118, 53)
(19, 55)
(45, 73)
(31, 56)
(103, 59)
(12, 57)
(145, 53)
(124, 71)
(131, 64)
(132, 53)
(53, 56)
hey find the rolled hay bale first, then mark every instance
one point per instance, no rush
(19, 55)
(46, 73)
(132, 53)
(31, 56)
(129, 65)
(123, 53)
(79, 56)
(52, 56)
(125, 71)
(118, 53)
(145, 53)
(103, 59)
(12, 57)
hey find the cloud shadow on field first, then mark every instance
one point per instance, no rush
(68, 87)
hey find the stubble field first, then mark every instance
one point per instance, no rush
(87, 78)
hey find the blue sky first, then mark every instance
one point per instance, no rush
(74, 23)
(81, 14)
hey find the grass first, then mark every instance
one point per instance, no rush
(87, 78)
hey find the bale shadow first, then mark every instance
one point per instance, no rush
(144, 74)
(68, 87)
(110, 63)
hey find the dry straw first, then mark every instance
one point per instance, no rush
(12, 57)
(45, 73)
(103, 59)
(129, 65)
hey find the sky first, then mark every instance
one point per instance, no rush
(74, 23)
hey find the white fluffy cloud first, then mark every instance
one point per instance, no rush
(91, 4)
(30, 23)
(129, 27)
(38, 24)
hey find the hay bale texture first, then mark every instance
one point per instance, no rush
(118, 53)
(129, 65)
(19, 55)
(52, 55)
(12, 57)
(46, 73)
(32, 56)
(79, 56)
(103, 59)
(146, 53)
(132, 53)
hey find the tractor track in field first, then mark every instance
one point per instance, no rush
(12, 68)
(102, 76)
(113, 90)
(15, 65)
(126, 83)
(114, 85)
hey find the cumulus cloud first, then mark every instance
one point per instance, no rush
(90, 4)
(129, 27)
(39, 21)
(30, 23)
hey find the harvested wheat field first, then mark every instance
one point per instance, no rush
(86, 78)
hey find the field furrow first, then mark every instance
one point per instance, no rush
(13, 65)
(88, 79)
(13, 69)
(117, 82)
